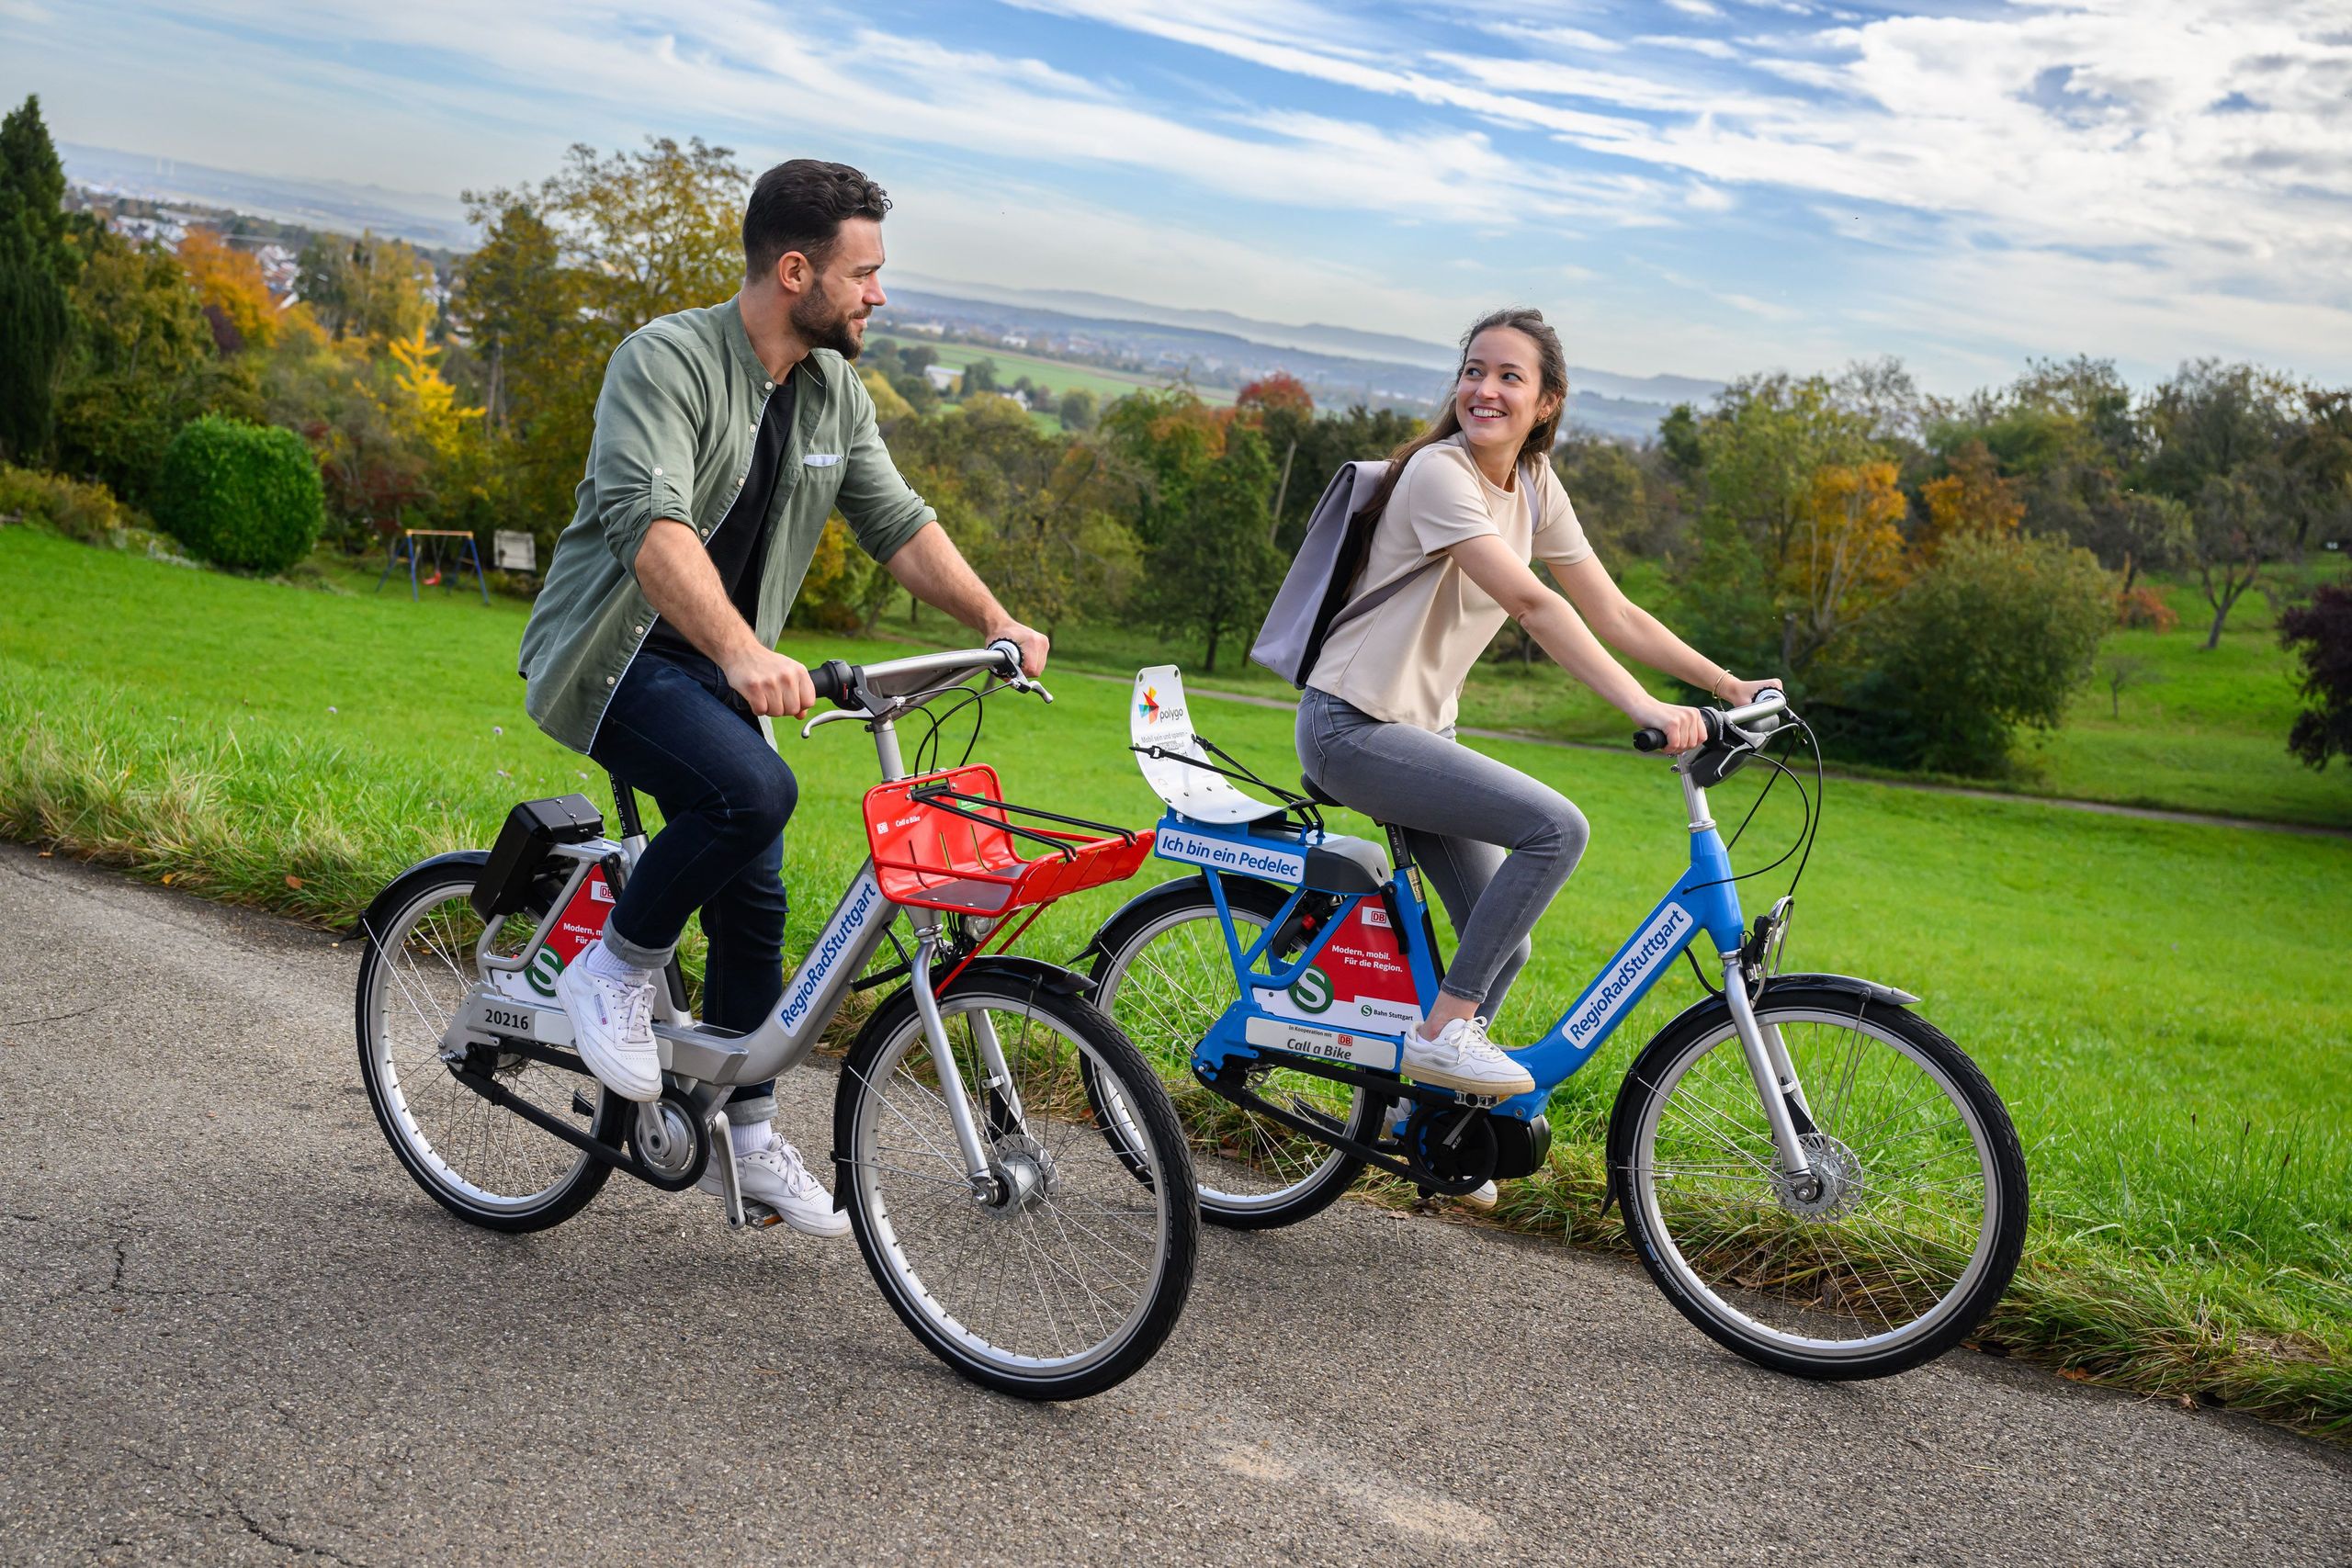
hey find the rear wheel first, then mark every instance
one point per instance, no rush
(482, 1162)
(1914, 1229)
(1065, 1275)
(1163, 974)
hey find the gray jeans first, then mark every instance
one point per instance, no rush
(1462, 812)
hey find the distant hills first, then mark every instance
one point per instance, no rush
(336, 206)
(1339, 365)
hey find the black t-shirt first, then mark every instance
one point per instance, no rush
(739, 545)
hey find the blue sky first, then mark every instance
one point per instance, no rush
(1702, 186)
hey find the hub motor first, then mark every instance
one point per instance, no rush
(1834, 1187)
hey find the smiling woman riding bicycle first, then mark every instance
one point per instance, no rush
(1465, 506)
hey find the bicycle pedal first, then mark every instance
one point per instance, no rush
(758, 1215)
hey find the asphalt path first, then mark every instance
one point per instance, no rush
(233, 1331)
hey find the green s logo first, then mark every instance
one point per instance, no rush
(542, 970)
(1312, 990)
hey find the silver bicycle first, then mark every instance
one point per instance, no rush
(1022, 1245)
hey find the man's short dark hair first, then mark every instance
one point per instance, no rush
(799, 206)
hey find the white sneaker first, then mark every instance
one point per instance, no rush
(1463, 1059)
(776, 1176)
(1481, 1197)
(612, 1027)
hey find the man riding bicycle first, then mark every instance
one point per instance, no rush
(724, 437)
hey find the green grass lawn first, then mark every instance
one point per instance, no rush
(2148, 997)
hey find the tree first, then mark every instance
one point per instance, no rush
(370, 287)
(1039, 515)
(143, 363)
(889, 408)
(34, 273)
(2235, 528)
(2217, 433)
(1996, 633)
(1213, 570)
(650, 232)
(1971, 498)
(2124, 672)
(979, 377)
(1077, 409)
(229, 281)
(2322, 632)
(1847, 560)
(2319, 453)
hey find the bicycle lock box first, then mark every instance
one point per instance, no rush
(520, 855)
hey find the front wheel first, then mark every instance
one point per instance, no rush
(1919, 1214)
(1063, 1277)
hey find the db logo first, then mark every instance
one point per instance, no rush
(1312, 990)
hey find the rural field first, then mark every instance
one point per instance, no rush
(2147, 995)
(1057, 376)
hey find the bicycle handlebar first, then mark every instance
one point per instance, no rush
(1769, 701)
(843, 684)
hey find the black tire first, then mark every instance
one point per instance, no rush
(1896, 1260)
(1253, 1174)
(1125, 1241)
(482, 1163)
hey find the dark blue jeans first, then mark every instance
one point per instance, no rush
(676, 731)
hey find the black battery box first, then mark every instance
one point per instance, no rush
(532, 828)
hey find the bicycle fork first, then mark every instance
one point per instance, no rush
(978, 1164)
(1775, 1075)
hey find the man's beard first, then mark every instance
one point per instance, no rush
(819, 329)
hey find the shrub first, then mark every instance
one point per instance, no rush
(2144, 609)
(72, 507)
(1997, 632)
(2322, 632)
(240, 496)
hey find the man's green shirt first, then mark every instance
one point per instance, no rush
(676, 422)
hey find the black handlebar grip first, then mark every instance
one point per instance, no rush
(1009, 652)
(1655, 739)
(832, 679)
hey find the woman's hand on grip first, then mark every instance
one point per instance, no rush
(1682, 728)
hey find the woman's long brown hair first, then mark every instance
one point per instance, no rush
(1552, 371)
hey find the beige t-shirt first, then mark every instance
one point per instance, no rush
(1407, 661)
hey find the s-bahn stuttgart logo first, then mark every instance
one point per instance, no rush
(1312, 991)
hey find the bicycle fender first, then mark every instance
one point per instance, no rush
(1622, 1114)
(396, 891)
(1034, 972)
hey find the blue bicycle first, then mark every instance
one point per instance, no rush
(1815, 1175)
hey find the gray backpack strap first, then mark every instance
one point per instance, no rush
(1365, 604)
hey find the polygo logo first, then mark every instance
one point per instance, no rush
(1150, 706)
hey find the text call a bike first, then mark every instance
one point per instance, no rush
(1023, 1246)
(1813, 1174)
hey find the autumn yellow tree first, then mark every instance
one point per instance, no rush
(1844, 556)
(228, 280)
(1972, 498)
(425, 407)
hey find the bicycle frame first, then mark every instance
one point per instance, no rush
(1703, 899)
(715, 1059)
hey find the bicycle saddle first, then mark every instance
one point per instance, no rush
(1316, 792)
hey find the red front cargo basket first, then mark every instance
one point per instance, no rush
(951, 840)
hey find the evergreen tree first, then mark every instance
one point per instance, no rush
(34, 322)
